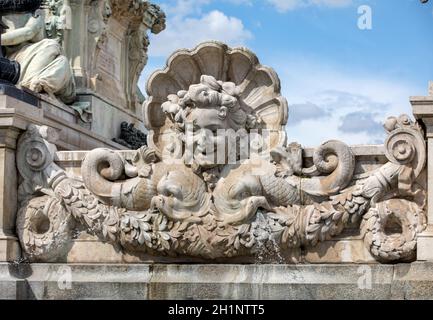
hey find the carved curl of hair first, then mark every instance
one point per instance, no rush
(224, 95)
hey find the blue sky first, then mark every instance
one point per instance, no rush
(341, 82)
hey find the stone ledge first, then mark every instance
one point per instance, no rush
(24, 95)
(262, 282)
(18, 113)
(358, 151)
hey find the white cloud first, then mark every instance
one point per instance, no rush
(332, 3)
(337, 96)
(182, 8)
(340, 94)
(287, 5)
(188, 23)
(188, 26)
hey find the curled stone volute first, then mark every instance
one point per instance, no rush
(405, 144)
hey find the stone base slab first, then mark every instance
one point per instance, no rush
(425, 245)
(259, 282)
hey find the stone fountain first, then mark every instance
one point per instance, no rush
(218, 203)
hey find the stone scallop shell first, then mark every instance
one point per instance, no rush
(259, 86)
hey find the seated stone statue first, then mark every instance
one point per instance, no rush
(43, 66)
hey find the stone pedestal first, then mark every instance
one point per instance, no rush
(245, 282)
(23, 108)
(107, 115)
(18, 109)
(14, 106)
(423, 112)
(113, 46)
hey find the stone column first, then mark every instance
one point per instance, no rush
(423, 112)
(16, 109)
(9, 247)
(78, 55)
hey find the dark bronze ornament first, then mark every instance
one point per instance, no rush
(131, 137)
(19, 6)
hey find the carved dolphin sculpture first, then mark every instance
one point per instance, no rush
(239, 195)
(182, 195)
(174, 190)
(103, 173)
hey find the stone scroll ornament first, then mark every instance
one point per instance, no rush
(170, 199)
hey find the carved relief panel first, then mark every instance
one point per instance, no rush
(180, 197)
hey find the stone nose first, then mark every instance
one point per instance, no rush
(202, 140)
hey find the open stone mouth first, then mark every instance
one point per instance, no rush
(207, 152)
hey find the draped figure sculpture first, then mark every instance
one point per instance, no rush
(44, 68)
